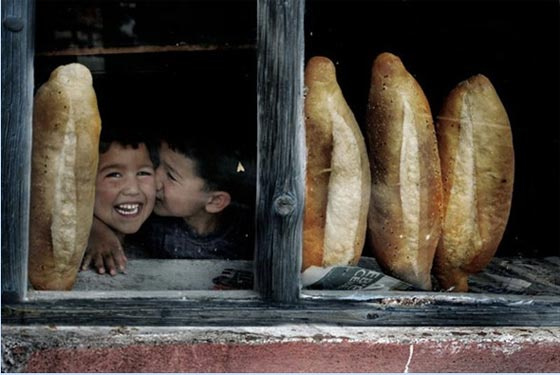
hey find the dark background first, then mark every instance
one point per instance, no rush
(514, 43)
(211, 91)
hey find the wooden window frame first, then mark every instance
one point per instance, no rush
(277, 297)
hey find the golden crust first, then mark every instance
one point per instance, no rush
(337, 173)
(66, 127)
(319, 74)
(404, 221)
(477, 158)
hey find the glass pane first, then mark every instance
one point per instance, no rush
(175, 87)
(398, 102)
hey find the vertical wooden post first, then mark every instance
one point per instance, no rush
(281, 149)
(17, 103)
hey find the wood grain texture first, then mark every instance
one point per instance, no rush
(390, 309)
(17, 99)
(281, 146)
(100, 51)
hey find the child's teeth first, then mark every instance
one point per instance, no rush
(128, 209)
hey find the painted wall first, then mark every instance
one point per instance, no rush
(287, 348)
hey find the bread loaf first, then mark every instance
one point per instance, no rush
(477, 162)
(66, 127)
(337, 173)
(405, 214)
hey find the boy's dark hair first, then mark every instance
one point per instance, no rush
(127, 138)
(217, 163)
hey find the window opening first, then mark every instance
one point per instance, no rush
(440, 45)
(184, 72)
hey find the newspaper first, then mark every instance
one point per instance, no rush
(516, 275)
(367, 275)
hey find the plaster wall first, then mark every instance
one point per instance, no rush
(287, 348)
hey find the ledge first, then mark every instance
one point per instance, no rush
(287, 348)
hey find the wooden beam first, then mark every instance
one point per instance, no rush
(280, 162)
(17, 103)
(99, 51)
(390, 311)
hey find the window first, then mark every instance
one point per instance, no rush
(186, 68)
(277, 298)
(442, 44)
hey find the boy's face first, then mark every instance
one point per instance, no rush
(180, 190)
(125, 187)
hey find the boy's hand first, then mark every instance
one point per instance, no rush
(104, 251)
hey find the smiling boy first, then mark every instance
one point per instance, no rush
(125, 187)
(124, 197)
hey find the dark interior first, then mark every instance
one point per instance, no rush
(157, 65)
(213, 84)
(441, 43)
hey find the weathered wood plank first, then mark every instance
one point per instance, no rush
(198, 296)
(280, 162)
(146, 49)
(17, 100)
(381, 312)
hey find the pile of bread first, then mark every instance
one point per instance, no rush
(428, 198)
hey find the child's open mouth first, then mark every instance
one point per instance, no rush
(128, 209)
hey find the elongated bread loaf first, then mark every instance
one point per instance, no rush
(405, 214)
(477, 162)
(66, 127)
(338, 175)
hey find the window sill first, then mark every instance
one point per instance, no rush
(169, 275)
(153, 306)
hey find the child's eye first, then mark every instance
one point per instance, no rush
(171, 177)
(113, 175)
(145, 173)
